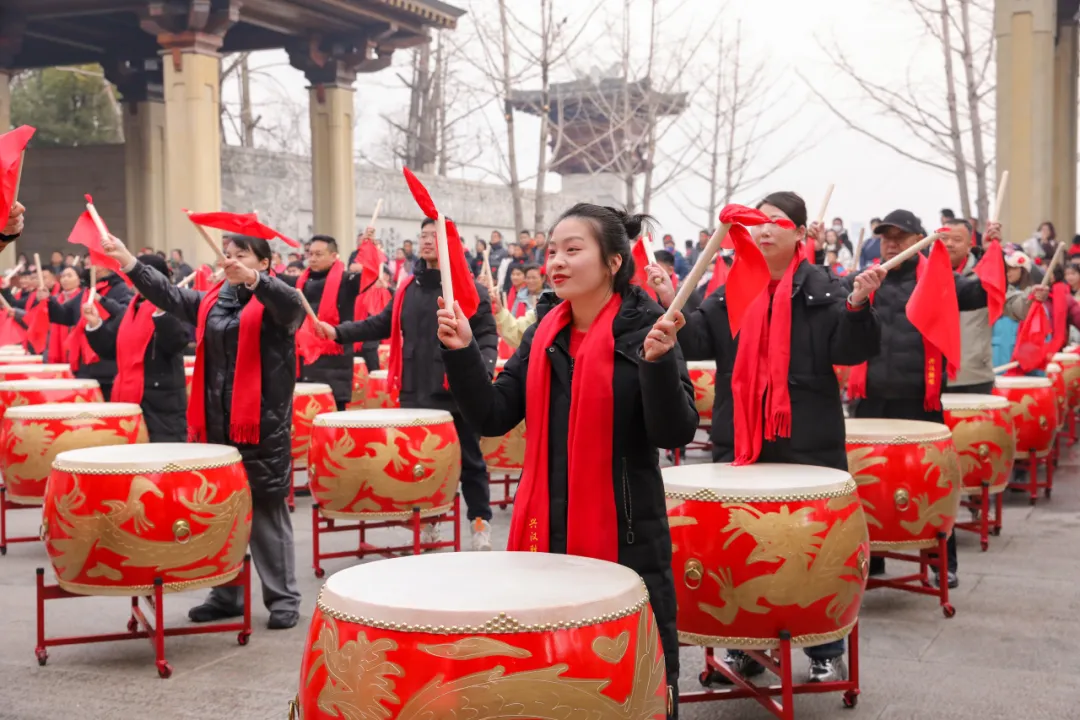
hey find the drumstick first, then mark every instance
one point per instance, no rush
(702, 264)
(858, 249)
(18, 178)
(375, 215)
(97, 220)
(40, 275)
(444, 262)
(910, 252)
(487, 264)
(1002, 187)
(307, 306)
(1006, 367)
(651, 256)
(93, 285)
(11, 273)
(209, 240)
(186, 281)
(1048, 279)
(825, 204)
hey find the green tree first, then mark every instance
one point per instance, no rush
(68, 106)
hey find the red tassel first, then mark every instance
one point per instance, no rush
(244, 434)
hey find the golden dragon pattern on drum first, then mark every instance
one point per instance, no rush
(979, 440)
(812, 568)
(81, 533)
(936, 513)
(513, 447)
(342, 481)
(40, 445)
(859, 461)
(704, 392)
(300, 449)
(360, 679)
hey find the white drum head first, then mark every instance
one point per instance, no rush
(148, 458)
(48, 384)
(1021, 382)
(12, 350)
(377, 375)
(49, 411)
(383, 417)
(882, 430)
(707, 365)
(716, 481)
(21, 358)
(312, 389)
(1066, 358)
(42, 368)
(962, 401)
(357, 360)
(434, 591)
(1053, 368)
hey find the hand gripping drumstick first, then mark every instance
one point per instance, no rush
(651, 256)
(905, 255)
(444, 262)
(93, 285)
(690, 284)
(187, 281)
(1048, 279)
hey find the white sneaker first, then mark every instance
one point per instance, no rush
(481, 535)
(429, 534)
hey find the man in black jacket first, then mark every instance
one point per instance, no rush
(895, 383)
(423, 381)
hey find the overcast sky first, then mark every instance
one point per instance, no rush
(881, 37)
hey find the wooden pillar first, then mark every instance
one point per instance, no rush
(333, 175)
(1025, 31)
(1066, 66)
(144, 174)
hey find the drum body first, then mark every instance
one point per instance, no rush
(1061, 391)
(189, 373)
(760, 549)
(505, 455)
(359, 384)
(383, 463)
(384, 354)
(703, 376)
(31, 436)
(189, 361)
(1070, 367)
(909, 480)
(117, 518)
(23, 359)
(40, 371)
(556, 637)
(379, 396)
(19, 393)
(309, 400)
(984, 438)
(1034, 412)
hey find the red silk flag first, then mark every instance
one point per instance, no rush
(1059, 317)
(749, 217)
(461, 276)
(36, 320)
(991, 273)
(719, 276)
(371, 259)
(86, 233)
(1030, 348)
(241, 224)
(748, 277)
(933, 308)
(203, 279)
(12, 145)
(641, 259)
(11, 333)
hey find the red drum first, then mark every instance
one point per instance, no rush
(19, 393)
(555, 637)
(505, 455)
(359, 384)
(703, 376)
(1070, 366)
(383, 463)
(985, 441)
(189, 372)
(1061, 391)
(46, 371)
(23, 359)
(760, 549)
(309, 400)
(12, 350)
(379, 396)
(117, 518)
(909, 480)
(31, 436)
(384, 354)
(189, 361)
(1034, 412)
(843, 374)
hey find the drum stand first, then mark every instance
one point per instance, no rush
(5, 506)
(498, 476)
(321, 525)
(984, 525)
(777, 662)
(677, 454)
(1032, 485)
(138, 625)
(295, 490)
(920, 582)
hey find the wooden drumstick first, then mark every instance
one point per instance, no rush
(825, 205)
(18, 178)
(905, 255)
(690, 284)
(858, 249)
(40, 275)
(375, 215)
(93, 285)
(209, 240)
(1006, 367)
(307, 307)
(1002, 187)
(1048, 279)
(444, 262)
(186, 281)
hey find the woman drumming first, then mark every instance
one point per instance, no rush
(601, 385)
(70, 287)
(241, 395)
(777, 397)
(148, 347)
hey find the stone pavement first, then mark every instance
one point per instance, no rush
(1012, 651)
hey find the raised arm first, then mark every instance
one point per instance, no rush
(103, 339)
(280, 300)
(696, 337)
(856, 335)
(172, 335)
(182, 303)
(376, 327)
(67, 312)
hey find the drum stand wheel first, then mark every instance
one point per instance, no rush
(778, 662)
(138, 624)
(415, 523)
(295, 489)
(919, 583)
(1032, 483)
(982, 523)
(6, 506)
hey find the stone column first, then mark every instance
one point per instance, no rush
(1025, 110)
(1066, 66)
(333, 174)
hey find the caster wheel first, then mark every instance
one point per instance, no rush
(948, 611)
(985, 545)
(320, 573)
(851, 699)
(164, 670)
(1032, 501)
(710, 678)
(996, 532)
(42, 656)
(3, 549)
(242, 638)
(132, 625)
(292, 508)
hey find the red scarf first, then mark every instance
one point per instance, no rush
(1059, 297)
(36, 319)
(310, 347)
(760, 376)
(78, 347)
(393, 370)
(592, 528)
(246, 409)
(933, 364)
(136, 331)
(369, 303)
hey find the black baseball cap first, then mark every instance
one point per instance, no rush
(903, 220)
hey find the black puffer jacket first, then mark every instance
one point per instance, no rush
(114, 299)
(654, 407)
(422, 364)
(823, 333)
(268, 463)
(164, 402)
(898, 371)
(334, 370)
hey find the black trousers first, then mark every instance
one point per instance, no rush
(475, 487)
(370, 352)
(904, 409)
